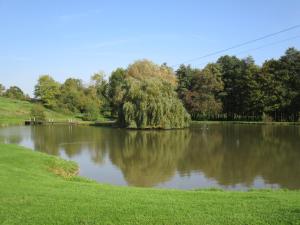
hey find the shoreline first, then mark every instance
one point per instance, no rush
(194, 122)
(37, 188)
(112, 124)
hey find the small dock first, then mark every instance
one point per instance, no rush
(50, 122)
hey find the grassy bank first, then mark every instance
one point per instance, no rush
(15, 112)
(39, 189)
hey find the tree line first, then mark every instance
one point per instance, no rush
(238, 89)
(73, 96)
(147, 95)
(13, 92)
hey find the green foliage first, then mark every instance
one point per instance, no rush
(72, 96)
(15, 93)
(100, 88)
(91, 112)
(200, 90)
(2, 89)
(230, 89)
(37, 113)
(47, 90)
(116, 90)
(281, 86)
(240, 86)
(184, 75)
(146, 98)
(152, 104)
(243, 90)
(144, 69)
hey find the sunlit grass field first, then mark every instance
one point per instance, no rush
(15, 112)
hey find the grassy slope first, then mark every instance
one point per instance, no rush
(15, 112)
(31, 193)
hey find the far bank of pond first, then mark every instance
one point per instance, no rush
(227, 156)
(196, 123)
(36, 189)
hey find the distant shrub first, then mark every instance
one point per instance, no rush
(2, 89)
(266, 118)
(15, 92)
(91, 113)
(38, 113)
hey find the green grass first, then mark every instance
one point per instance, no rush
(36, 188)
(15, 112)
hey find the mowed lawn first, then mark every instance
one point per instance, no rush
(15, 112)
(36, 188)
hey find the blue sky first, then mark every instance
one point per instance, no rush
(79, 38)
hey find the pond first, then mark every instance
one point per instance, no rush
(223, 156)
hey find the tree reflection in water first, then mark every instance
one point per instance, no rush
(229, 154)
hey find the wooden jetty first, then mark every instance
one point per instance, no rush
(49, 122)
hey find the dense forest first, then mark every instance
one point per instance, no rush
(238, 89)
(147, 95)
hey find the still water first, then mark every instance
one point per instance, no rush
(206, 156)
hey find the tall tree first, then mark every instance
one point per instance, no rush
(201, 96)
(290, 63)
(100, 86)
(231, 71)
(148, 97)
(184, 76)
(242, 96)
(273, 88)
(47, 90)
(250, 92)
(116, 90)
(72, 96)
(282, 86)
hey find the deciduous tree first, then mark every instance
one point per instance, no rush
(47, 90)
(15, 93)
(149, 99)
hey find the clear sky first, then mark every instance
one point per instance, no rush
(77, 38)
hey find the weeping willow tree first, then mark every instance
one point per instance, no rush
(148, 98)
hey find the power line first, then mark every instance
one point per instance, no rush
(240, 45)
(269, 44)
(262, 46)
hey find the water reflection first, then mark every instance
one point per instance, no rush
(229, 155)
(150, 157)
